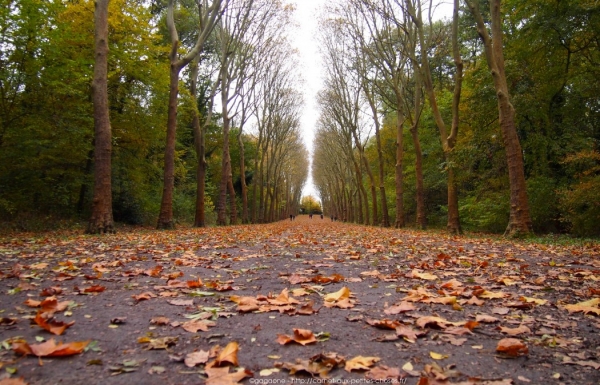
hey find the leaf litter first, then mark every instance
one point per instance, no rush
(159, 305)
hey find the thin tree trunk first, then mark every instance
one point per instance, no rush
(243, 180)
(101, 220)
(398, 169)
(414, 131)
(200, 215)
(520, 220)
(385, 219)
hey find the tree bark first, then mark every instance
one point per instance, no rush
(243, 180)
(200, 146)
(399, 178)
(101, 220)
(520, 220)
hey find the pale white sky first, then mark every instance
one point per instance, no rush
(304, 38)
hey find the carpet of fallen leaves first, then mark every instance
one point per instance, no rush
(293, 301)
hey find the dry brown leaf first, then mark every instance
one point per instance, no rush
(13, 381)
(228, 354)
(409, 333)
(301, 336)
(182, 302)
(586, 307)
(493, 295)
(307, 308)
(196, 358)
(245, 304)
(221, 376)
(283, 299)
(402, 307)
(195, 325)
(441, 300)
(426, 276)
(433, 321)
(144, 296)
(383, 373)
(54, 327)
(161, 321)
(50, 348)
(516, 331)
(486, 318)
(384, 323)
(360, 363)
(312, 367)
(512, 347)
(475, 301)
(537, 301)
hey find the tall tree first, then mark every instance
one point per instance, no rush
(209, 15)
(101, 220)
(520, 220)
(424, 67)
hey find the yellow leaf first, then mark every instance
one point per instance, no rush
(407, 367)
(537, 301)
(425, 276)
(343, 293)
(360, 363)
(438, 356)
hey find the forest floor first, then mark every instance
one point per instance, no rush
(308, 301)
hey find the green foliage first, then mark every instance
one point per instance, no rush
(489, 213)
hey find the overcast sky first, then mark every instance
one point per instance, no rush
(305, 40)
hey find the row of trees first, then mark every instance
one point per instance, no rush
(186, 109)
(482, 119)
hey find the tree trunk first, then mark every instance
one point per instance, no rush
(398, 169)
(165, 218)
(199, 142)
(448, 142)
(225, 167)
(232, 201)
(421, 216)
(101, 220)
(243, 180)
(520, 220)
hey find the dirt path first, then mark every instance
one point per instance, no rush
(191, 306)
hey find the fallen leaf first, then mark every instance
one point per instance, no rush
(360, 363)
(512, 347)
(50, 348)
(228, 354)
(161, 321)
(402, 307)
(339, 295)
(586, 307)
(196, 358)
(438, 356)
(54, 327)
(425, 276)
(182, 302)
(195, 325)
(486, 318)
(144, 296)
(301, 336)
(537, 301)
(221, 376)
(383, 373)
(515, 331)
(162, 343)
